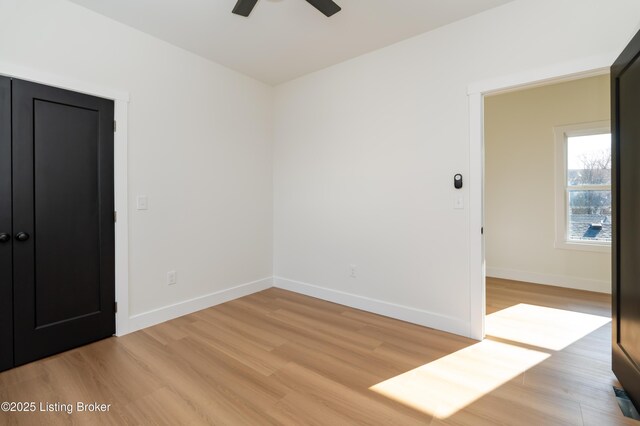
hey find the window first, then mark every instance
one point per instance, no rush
(583, 180)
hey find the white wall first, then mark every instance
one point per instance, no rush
(200, 147)
(520, 185)
(364, 158)
(365, 153)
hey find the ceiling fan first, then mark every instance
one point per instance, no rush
(328, 7)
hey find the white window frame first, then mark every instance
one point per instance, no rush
(562, 133)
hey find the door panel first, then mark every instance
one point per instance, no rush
(63, 199)
(629, 240)
(6, 262)
(625, 91)
(67, 247)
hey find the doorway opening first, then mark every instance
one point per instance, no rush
(547, 230)
(589, 67)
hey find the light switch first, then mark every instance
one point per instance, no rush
(142, 203)
(458, 202)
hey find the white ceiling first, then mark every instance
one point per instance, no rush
(284, 39)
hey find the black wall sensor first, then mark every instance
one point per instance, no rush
(457, 181)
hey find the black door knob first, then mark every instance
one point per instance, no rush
(22, 236)
(4, 237)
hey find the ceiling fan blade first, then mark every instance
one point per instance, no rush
(244, 7)
(328, 7)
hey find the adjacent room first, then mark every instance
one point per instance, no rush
(250, 212)
(548, 184)
(547, 226)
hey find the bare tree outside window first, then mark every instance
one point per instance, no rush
(596, 170)
(589, 187)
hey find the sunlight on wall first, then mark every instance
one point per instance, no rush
(448, 384)
(547, 328)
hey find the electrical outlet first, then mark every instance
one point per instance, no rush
(353, 272)
(142, 202)
(172, 277)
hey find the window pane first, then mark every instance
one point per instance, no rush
(589, 160)
(589, 215)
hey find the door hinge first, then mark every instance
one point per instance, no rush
(115, 216)
(115, 307)
(115, 126)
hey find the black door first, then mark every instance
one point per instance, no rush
(63, 230)
(625, 113)
(6, 240)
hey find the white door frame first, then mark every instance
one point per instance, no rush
(586, 67)
(121, 104)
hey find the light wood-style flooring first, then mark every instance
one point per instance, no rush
(277, 357)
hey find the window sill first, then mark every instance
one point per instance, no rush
(583, 246)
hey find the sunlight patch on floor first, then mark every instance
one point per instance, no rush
(543, 327)
(446, 385)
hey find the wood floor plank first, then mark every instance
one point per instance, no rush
(326, 331)
(567, 386)
(356, 404)
(258, 335)
(610, 417)
(512, 404)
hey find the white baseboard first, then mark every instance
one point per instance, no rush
(166, 313)
(400, 312)
(404, 313)
(549, 279)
